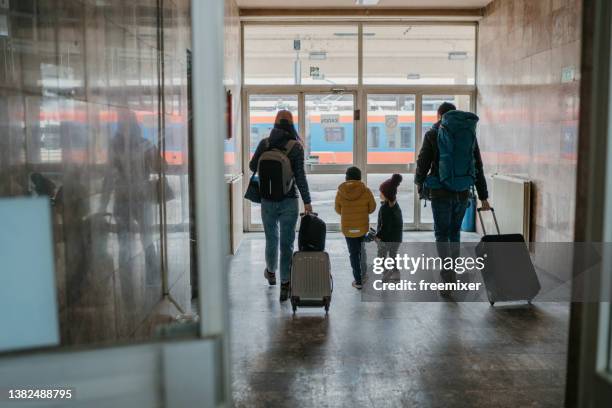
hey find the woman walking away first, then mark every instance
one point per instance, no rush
(279, 160)
(390, 221)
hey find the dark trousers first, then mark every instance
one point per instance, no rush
(357, 256)
(387, 249)
(448, 213)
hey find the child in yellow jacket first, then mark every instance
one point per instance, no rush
(355, 202)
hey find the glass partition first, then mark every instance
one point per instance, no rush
(407, 71)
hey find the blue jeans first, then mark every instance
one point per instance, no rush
(357, 257)
(448, 213)
(284, 214)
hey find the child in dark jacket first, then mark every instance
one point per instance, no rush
(390, 221)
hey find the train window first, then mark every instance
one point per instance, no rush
(406, 138)
(334, 134)
(373, 137)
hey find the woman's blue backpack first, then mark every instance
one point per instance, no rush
(456, 143)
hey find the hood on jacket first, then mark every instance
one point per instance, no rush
(281, 134)
(351, 190)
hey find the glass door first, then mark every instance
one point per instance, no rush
(329, 141)
(325, 123)
(391, 145)
(262, 109)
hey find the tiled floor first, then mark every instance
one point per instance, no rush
(388, 354)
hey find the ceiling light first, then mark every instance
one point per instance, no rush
(457, 55)
(366, 2)
(317, 55)
(413, 76)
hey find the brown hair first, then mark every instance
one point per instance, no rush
(283, 114)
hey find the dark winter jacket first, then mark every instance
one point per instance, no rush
(279, 136)
(390, 223)
(427, 163)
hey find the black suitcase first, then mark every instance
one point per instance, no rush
(509, 274)
(311, 236)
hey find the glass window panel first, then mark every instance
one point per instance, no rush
(329, 148)
(300, 54)
(405, 193)
(391, 129)
(420, 54)
(262, 112)
(329, 130)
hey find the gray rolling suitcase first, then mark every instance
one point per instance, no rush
(311, 280)
(509, 274)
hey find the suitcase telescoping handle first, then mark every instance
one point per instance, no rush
(484, 231)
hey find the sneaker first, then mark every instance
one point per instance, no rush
(270, 276)
(285, 290)
(446, 294)
(357, 285)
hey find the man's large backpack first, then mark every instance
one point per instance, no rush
(456, 142)
(275, 172)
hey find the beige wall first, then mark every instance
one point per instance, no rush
(528, 112)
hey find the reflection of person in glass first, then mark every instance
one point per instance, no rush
(133, 177)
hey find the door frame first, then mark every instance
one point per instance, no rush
(360, 148)
(418, 92)
(300, 92)
(589, 371)
(361, 91)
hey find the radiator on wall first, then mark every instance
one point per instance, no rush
(511, 198)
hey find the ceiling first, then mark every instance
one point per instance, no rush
(429, 4)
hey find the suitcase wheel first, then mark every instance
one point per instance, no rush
(491, 302)
(327, 302)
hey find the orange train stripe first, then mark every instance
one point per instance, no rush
(373, 157)
(269, 120)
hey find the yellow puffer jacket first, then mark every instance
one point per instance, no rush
(354, 203)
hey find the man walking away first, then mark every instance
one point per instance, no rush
(448, 166)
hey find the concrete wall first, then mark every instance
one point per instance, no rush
(528, 102)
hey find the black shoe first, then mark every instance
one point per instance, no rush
(284, 292)
(446, 294)
(270, 276)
